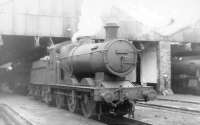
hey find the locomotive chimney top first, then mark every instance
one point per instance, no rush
(111, 30)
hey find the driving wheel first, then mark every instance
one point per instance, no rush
(88, 106)
(72, 102)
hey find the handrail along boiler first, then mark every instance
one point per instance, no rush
(90, 76)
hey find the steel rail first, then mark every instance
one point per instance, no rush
(170, 108)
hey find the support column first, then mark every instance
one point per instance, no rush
(164, 68)
(1, 40)
(36, 41)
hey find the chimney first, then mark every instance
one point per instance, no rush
(111, 30)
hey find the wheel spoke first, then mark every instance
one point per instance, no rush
(59, 101)
(72, 102)
(87, 106)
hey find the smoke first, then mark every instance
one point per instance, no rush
(90, 20)
(138, 19)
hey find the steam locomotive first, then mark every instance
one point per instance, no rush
(90, 77)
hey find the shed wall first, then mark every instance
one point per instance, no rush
(39, 17)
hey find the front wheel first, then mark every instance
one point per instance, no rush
(72, 102)
(88, 106)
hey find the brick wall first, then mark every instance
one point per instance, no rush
(164, 67)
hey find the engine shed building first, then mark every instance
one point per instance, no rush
(155, 65)
(27, 27)
(172, 64)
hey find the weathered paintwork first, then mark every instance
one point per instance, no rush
(117, 57)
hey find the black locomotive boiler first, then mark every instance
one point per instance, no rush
(90, 77)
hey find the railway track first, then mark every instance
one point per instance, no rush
(171, 108)
(10, 117)
(112, 120)
(182, 101)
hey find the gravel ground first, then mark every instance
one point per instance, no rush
(2, 121)
(163, 117)
(39, 113)
(171, 117)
